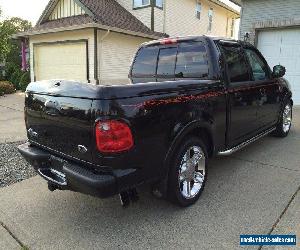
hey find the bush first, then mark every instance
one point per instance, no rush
(24, 81)
(6, 88)
(10, 69)
(15, 78)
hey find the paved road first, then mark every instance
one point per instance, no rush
(254, 191)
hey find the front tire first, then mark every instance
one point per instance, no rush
(188, 172)
(285, 121)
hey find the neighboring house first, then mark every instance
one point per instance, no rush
(274, 27)
(94, 40)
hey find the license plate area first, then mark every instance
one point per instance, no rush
(56, 163)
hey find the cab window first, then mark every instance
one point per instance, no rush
(192, 61)
(236, 63)
(259, 67)
(145, 62)
(166, 62)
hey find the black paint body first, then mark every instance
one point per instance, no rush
(160, 115)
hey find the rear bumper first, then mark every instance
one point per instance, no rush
(66, 175)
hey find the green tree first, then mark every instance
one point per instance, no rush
(9, 48)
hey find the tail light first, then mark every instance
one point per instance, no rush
(113, 136)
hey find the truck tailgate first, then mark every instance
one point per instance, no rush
(59, 123)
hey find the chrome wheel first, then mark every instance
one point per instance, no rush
(287, 118)
(192, 172)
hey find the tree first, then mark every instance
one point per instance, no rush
(8, 27)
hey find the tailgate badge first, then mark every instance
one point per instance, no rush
(82, 149)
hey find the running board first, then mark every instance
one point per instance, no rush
(246, 143)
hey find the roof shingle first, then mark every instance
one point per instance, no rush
(105, 12)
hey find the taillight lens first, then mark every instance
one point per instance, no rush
(113, 136)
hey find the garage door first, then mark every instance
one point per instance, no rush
(66, 61)
(283, 47)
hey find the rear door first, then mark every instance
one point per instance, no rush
(242, 93)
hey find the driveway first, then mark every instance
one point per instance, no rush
(12, 125)
(255, 191)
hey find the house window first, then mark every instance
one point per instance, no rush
(140, 3)
(210, 18)
(198, 9)
(232, 27)
(159, 3)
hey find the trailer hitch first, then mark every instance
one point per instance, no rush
(128, 196)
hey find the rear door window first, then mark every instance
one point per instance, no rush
(192, 61)
(166, 63)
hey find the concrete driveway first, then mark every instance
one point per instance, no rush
(12, 125)
(255, 191)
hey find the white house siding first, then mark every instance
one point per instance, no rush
(185, 21)
(116, 52)
(258, 14)
(64, 36)
(143, 14)
(178, 18)
(159, 20)
(66, 8)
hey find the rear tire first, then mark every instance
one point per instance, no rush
(188, 172)
(285, 120)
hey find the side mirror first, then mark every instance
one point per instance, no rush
(278, 71)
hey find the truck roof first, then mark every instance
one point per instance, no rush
(174, 40)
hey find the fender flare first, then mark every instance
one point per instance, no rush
(197, 124)
(188, 128)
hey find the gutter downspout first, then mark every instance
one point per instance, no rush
(152, 15)
(165, 16)
(101, 49)
(96, 78)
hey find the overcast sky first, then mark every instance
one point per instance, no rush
(32, 9)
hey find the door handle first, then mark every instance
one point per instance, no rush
(262, 91)
(237, 94)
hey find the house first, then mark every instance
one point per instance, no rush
(95, 40)
(274, 27)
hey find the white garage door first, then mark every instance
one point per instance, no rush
(65, 61)
(283, 47)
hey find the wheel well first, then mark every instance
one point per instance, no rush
(205, 135)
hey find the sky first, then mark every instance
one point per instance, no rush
(32, 9)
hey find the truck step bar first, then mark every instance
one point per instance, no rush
(246, 143)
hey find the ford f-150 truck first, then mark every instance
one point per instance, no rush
(189, 99)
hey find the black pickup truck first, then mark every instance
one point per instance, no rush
(189, 99)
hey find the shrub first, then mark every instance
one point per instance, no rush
(6, 88)
(24, 81)
(15, 78)
(10, 69)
